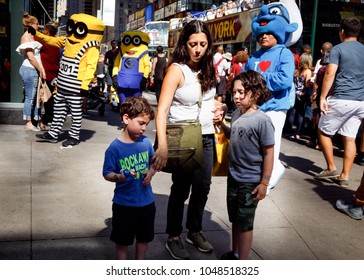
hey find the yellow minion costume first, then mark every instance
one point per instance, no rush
(77, 70)
(131, 65)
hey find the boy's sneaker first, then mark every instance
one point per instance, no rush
(70, 142)
(198, 240)
(46, 137)
(352, 211)
(177, 250)
(229, 256)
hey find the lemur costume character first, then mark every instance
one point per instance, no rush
(131, 65)
(77, 70)
(283, 20)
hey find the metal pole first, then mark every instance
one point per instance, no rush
(314, 22)
(55, 9)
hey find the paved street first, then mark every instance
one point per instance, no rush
(55, 204)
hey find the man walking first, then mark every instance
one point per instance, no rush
(342, 112)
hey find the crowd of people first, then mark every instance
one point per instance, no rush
(197, 81)
(226, 8)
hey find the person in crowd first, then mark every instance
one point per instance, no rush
(302, 83)
(101, 70)
(343, 111)
(190, 74)
(78, 66)
(219, 12)
(158, 65)
(222, 68)
(50, 57)
(306, 48)
(110, 56)
(296, 56)
(247, 5)
(238, 63)
(251, 157)
(355, 208)
(133, 205)
(360, 156)
(211, 14)
(325, 49)
(132, 65)
(30, 70)
(275, 62)
(187, 18)
(315, 101)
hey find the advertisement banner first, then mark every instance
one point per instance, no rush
(235, 28)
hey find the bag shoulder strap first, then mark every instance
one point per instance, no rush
(218, 63)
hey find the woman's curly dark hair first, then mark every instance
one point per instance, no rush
(206, 65)
(254, 82)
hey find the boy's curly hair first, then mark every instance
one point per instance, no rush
(254, 82)
(136, 106)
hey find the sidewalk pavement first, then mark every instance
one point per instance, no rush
(55, 204)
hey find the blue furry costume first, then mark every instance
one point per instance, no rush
(276, 64)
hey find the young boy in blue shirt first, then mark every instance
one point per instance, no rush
(127, 163)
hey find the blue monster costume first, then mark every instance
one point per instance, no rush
(282, 20)
(276, 64)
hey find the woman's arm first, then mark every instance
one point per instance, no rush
(27, 37)
(308, 76)
(34, 62)
(173, 79)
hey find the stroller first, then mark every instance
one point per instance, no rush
(94, 99)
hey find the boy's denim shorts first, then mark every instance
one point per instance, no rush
(240, 204)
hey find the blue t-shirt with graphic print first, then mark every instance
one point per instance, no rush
(134, 157)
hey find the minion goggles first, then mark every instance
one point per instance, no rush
(80, 30)
(135, 40)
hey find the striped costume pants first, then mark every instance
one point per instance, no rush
(64, 103)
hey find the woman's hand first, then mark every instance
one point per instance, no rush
(160, 158)
(42, 74)
(219, 111)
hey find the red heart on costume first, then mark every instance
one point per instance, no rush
(264, 65)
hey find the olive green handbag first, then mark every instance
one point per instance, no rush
(185, 148)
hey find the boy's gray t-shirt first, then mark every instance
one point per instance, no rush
(249, 134)
(349, 80)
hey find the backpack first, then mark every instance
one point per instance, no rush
(217, 74)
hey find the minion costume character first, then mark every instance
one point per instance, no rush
(77, 70)
(276, 63)
(131, 65)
